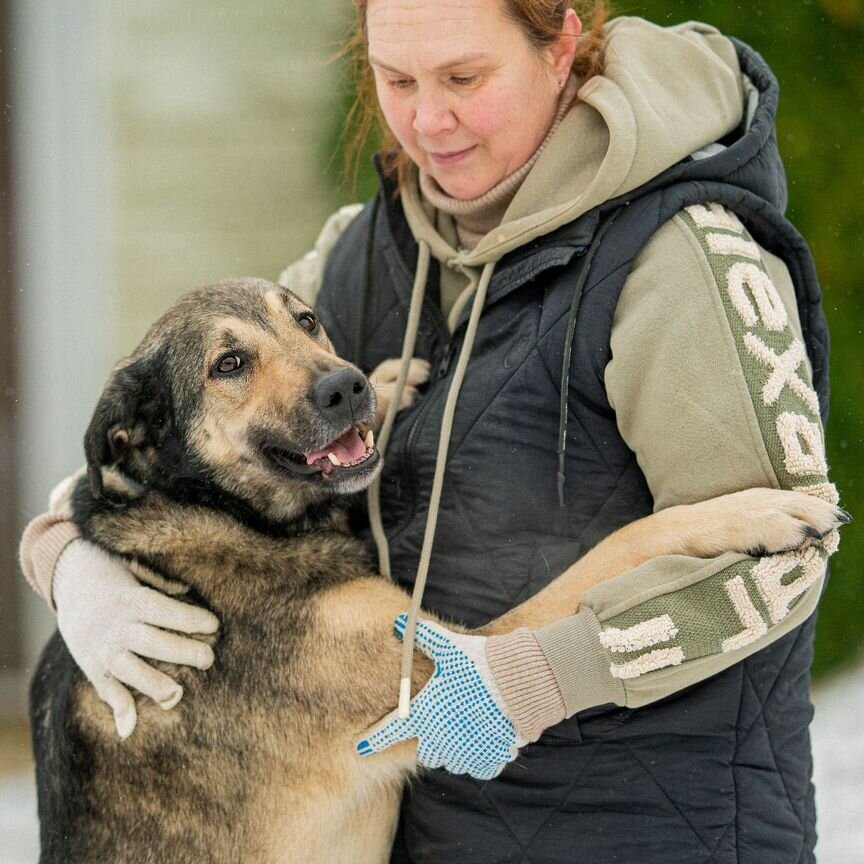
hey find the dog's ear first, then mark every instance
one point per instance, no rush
(132, 420)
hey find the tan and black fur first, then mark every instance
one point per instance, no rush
(198, 474)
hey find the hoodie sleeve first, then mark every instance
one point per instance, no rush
(305, 275)
(43, 542)
(46, 537)
(712, 389)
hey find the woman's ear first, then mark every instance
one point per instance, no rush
(134, 412)
(563, 49)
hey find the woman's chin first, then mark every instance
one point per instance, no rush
(463, 188)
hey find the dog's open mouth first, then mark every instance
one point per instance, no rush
(352, 452)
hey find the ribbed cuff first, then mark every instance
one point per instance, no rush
(579, 662)
(525, 681)
(42, 544)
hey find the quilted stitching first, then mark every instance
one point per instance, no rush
(632, 747)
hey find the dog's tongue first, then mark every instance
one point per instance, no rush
(347, 448)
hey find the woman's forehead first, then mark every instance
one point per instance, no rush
(411, 11)
(445, 32)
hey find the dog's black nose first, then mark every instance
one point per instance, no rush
(341, 394)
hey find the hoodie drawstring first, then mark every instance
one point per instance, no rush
(441, 458)
(408, 342)
(437, 485)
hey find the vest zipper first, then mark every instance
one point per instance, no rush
(409, 475)
(441, 371)
(446, 361)
(440, 374)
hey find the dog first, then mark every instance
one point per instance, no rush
(221, 454)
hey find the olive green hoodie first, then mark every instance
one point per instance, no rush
(687, 390)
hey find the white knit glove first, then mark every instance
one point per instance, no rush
(384, 377)
(109, 621)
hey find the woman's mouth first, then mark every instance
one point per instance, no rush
(452, 157)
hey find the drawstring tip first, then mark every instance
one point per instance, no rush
(561, 481)
(404, 698)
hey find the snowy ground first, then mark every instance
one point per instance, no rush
(19, 838)
(838, 755)
(838, 745)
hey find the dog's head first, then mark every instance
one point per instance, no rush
(236, 389)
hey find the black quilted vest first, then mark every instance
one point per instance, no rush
(717, 773)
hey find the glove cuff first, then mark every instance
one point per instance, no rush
(44, 541)
(526, 682)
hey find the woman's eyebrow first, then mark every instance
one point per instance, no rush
(441, 67)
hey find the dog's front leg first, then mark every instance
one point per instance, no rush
(754, 521)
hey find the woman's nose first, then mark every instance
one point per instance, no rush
(433, 117)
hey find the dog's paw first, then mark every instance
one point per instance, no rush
(775, 520)
(384, 377)
(758, 522)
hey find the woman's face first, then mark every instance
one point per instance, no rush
(461, 88)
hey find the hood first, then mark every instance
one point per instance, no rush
(665, 94)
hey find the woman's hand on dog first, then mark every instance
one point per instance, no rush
(109, 621)
(459, 718)
(384, 377)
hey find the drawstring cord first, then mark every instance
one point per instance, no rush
(437, 486)
(568, 349)
(375, 520)
(413, 325)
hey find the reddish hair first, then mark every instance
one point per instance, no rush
(540, 20)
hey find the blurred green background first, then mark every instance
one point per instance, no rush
(815, 50)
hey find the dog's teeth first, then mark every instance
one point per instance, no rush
(369, 440)
(334, 459)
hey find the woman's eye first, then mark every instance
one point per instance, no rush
(400, 83)
(228, 364)
(463, 80)
(308, 322)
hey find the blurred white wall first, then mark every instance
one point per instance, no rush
(219, 109)
(157, 146)
(64, 262)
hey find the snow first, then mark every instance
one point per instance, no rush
(838, 756)
(838, 752)
(19, 832)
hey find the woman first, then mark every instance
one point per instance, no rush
(567, 206)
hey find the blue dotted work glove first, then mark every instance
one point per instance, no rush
(458, 717)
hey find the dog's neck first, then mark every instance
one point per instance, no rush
(321, 515)
(120, 490)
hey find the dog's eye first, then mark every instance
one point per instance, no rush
(228, 364)
(308, 322)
